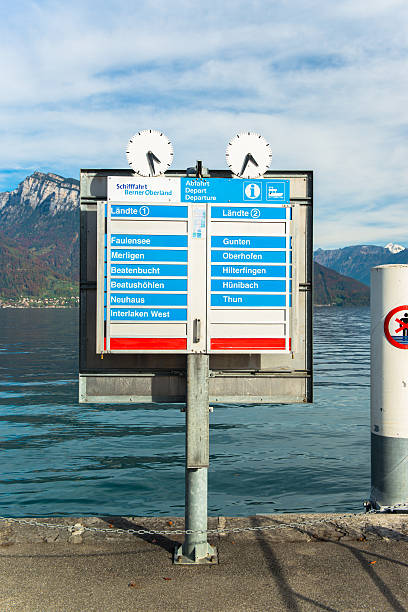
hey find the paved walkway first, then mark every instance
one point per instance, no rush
(341, 565)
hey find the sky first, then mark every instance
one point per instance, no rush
(325, 82)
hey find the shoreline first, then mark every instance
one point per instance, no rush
(43, 306)
(333, 527)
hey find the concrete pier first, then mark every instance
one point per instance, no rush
(344, 563)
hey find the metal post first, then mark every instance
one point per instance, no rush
(389, 388)
(196, 549)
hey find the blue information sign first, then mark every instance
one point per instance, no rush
(247, 213)
(148, 299)
(248, 256)
(148, 314)
(148, 270)
(249, 242)
(148, 255)
(147, 211)
(269, 271)
(247, 301)
(250, 285)
(149, 284)
(234, 190)
(148, 240)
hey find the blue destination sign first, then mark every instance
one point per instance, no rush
(148, 270)
(235, 190)
(148, 299)
(147, 284)
(148, 314)
(147, 240)
(247, 213)
(249, 242)
(148, 255)
(248, 271)
(252, 285)
(249, 256)
(247, 301)
(144, 211)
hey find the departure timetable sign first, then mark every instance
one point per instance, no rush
(194, 265)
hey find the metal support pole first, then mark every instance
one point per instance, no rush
(389, 388)
(196, 549)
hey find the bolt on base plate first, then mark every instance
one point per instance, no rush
(211, 557)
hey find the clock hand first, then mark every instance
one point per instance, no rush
(248, 158)
(245, 163)
(151, 158)
(252, 159)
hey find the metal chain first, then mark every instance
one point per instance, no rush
(218, 530)
(403, 508)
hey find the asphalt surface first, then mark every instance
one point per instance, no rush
(299, 570)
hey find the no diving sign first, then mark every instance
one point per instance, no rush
(396, 327)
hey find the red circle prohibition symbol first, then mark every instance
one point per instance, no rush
(387, 327)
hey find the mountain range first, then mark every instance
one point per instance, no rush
(39, 248)
(357, 261)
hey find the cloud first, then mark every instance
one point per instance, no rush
(324, 82)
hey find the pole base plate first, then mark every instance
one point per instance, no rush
(211, 557)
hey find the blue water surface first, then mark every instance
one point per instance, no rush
(63, 458)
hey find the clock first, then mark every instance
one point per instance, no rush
(248, 155)
(149, 153)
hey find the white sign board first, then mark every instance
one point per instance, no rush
(194, 265)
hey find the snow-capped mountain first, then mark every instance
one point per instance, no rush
(356, 261)
(394, 248)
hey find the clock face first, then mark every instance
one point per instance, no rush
(149, 153)
(248, 155)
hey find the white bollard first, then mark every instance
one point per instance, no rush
(389, 387)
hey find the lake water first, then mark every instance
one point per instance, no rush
(63, 458)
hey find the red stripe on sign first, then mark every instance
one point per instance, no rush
(153, 344)
(242, 344)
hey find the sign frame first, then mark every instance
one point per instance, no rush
(238, 378)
